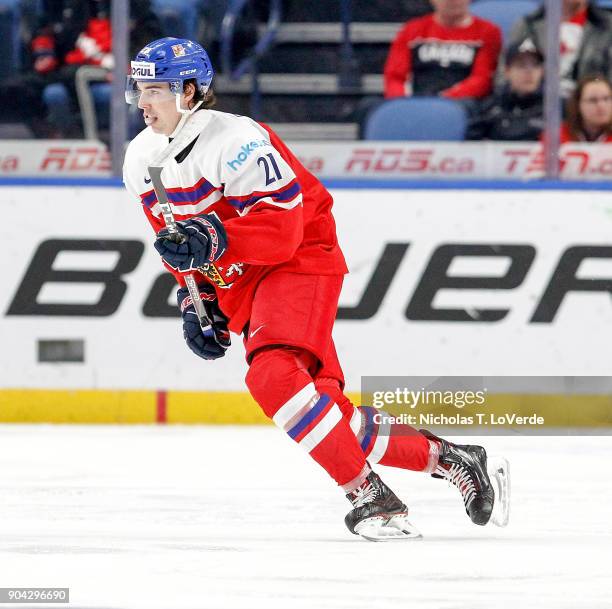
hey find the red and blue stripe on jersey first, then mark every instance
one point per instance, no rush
(286, 194)
(203, 188)
(190, 195)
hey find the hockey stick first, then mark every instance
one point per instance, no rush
(190, 130)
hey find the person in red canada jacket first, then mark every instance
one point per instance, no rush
(449, 52)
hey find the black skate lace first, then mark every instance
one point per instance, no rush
(363, 495)
(461, 478)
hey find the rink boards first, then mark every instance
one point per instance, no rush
(442, 282)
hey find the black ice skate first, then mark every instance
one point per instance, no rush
(465, 466)
(377, 514)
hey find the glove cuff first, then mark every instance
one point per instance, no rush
(211, 225)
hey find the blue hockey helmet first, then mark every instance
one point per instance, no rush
(171, 60)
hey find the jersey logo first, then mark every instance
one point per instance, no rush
(445, 54)
(147, 180)
(236, 267)
(256, 330)
(244, 153)
(214, 276)
(223, 277)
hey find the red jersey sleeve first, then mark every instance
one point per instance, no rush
(398, 67)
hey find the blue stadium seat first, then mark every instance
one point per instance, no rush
(56, 93)
(417, 119)
(60, 108)
(607, 4)
(178, 17)
(57, 99)
(10, 46)
(503, 12)
(102, 94)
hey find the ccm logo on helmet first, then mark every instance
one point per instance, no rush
(143, 69)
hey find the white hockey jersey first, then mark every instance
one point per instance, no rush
(276, 213)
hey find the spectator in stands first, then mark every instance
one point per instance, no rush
(589, 112)
(449, 52)
(72, 33)
(515, 111)
(586, 40)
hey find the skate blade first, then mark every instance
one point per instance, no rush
(387, 528)
(498, 469)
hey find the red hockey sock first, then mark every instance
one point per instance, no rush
(280, 381)
(394, 445)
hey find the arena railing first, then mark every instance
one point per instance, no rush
(249, 63)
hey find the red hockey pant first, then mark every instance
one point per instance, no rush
(295, 376)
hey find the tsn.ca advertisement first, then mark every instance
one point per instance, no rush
(386, 160)
(443, 283)
(463, 160)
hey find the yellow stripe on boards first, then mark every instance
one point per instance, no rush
(220, 408)
(78, 406)
(238, 408)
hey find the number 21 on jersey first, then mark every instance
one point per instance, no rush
(275, 174)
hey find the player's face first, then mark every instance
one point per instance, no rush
(451, 10)
(158, 105)
(596, 105)
(525, 74)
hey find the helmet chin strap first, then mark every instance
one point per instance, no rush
(183, 110)
(185, 114)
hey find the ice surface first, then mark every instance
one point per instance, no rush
(196, 517)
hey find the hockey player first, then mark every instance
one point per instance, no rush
(256, 231)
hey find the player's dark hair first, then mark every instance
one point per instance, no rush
(208, 99)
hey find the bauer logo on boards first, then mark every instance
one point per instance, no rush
(143, 69)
